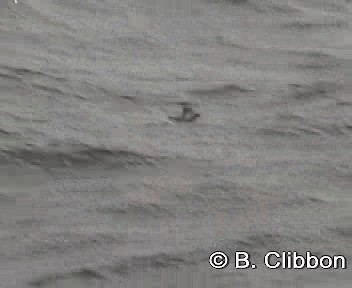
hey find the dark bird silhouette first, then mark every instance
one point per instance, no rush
(188, 115)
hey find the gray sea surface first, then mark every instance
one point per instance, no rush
(98, 188)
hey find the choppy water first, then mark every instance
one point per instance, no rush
(99, 189)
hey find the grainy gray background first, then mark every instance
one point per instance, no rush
(99, 189)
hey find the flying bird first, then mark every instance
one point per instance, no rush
(188, 115)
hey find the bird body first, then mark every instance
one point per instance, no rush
(188, 115)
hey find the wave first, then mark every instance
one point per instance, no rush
(278, 132)
(307, 26)
(316, 60)
(64, 242)
(83, 157)
(343, 103)
(263, 242)
(6, 199)
(21, 71)
(136, 210)
(262, 6)
(24, 73)
(317, 129)
(302, 201)
(345, 232)
(18, 74)
(317, 90)
(7, 133)
(9, 77)
(92, 8)
(266, 241)
(277, 7)
(224, 194)
(98, 276)
(197, 201)
(235, 2)
(159, 261)
(220, 90)
(82, 275)
(256, 243)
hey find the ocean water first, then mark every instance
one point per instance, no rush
(98, 188)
